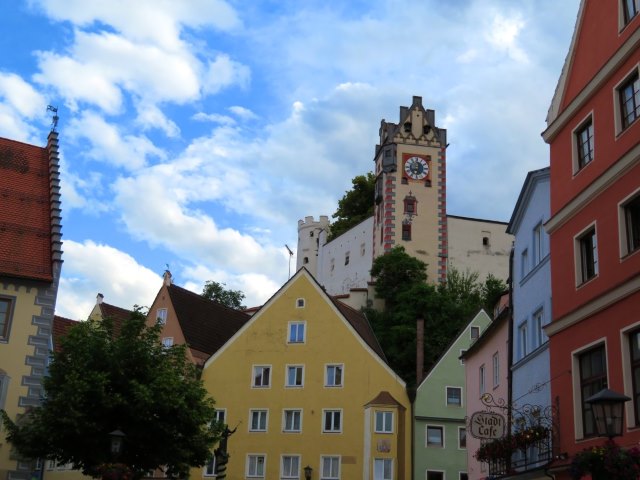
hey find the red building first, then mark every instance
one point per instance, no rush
(593, 130)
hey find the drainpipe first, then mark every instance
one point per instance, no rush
(510, 343)
(419, 350)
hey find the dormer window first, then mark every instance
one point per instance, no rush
(407, 127)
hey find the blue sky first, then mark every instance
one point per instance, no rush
(196, 133)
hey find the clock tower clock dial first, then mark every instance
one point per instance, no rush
(416, 168)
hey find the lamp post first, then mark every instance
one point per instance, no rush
(307, 472)
(607, 407)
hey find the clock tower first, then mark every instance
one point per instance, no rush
(410, 199)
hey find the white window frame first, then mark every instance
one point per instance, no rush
(523, 339)
(295, 325)
(524, 263)
(482, 379)
(575, 139)
(161, 316)
(622, 20)
(623, 232)
(617, 107)
(294, 412)
(288, 368)
(539, 337)
(580, 274)
(253, 472)
(4, 388)
(495, 364)
(473, 329)
(300, 302)
(328, 377)
(209, 469)
(289, 474)
(460, 430)
(332, 412)
(331, 475)
(220, 415)
(441, 472)
(258, 372)
(382, 462)
(5, 331)
(384, 421)
(167, 342)
(446, 393)
(426, 436)
(261, 413)
(539, 252)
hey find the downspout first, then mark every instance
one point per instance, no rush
(510, 343)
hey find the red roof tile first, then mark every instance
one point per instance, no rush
(117, 314)
(25, 216)
(61, 326)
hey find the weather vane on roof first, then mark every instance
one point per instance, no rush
(54, 120)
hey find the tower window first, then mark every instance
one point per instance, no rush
(410, 205)
(407, 127)
(406, 231)
(306, 260)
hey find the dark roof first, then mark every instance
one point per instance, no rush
(503, 316)
(25, 216)
(117, 314)
(61, 326)
(384, 398)
(206, 325)
(361, 325)
(498, 222)
(531, 177)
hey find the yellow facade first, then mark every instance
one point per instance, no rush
(328, 344)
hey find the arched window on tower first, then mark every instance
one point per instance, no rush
(410, 205)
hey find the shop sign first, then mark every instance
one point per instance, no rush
(487, 425)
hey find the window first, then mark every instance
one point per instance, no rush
(258, 421)
(167, 342)
(161, 316)
(292, 420)
(382, 469)
(593, 378)
(462, 437)
(481, 378)
(584, 143)
(462, 354)
(346, 258)
(475, 332)
(363, 249)
(435, 475)
(296, 332)
(631, 223)
(333, 377)
(6, 311)
(209, 467)
(406, 231)
(522, 340)
(496, 370)
(384, 422)
(631, 8)
(454, 396)
(295, 376)
(220, 415)
(538, 243)
(332, 266)
(332, 421)
(290, 467)
(410, 205)
(634, 347)
(329, 468)
(463, 476)
(524, 262)
(435, 436)
(4, 387)
(305, 260)
(538, 329)
(255, 465)
(300, 303)
(588, 250)
(261, 376)
(629, 93)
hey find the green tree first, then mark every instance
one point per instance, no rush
(217, 292)
(105, 379)
(355, 206)
(401, 281)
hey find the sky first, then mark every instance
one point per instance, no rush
(194, 134)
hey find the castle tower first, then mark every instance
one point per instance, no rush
(309, 232)
(410, 198)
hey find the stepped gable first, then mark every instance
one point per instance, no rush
(206, 325)
(61, 326)
(361, 325)
(25, 216)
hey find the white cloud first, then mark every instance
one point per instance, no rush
(223, 72)
(214, 117)
(21, 96)
(243, 113)
(109, 144)
(91, 268)
(150, 116)
(503, 34)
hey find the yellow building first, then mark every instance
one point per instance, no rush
(30, 263)
(305, 383)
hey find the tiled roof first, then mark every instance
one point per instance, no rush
(206, 325)
(361, 325)
(25, 216)
(61, 326)
(117, 314)
(384, 398)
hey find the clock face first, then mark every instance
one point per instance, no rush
(416, 168)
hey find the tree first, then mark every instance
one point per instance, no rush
(217, 292)
(105, 379)
(401, 281)
(355, 206)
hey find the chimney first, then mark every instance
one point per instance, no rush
(167, 278)
(99, 298)
(419, 350)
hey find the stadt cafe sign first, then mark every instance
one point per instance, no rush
(487, 425)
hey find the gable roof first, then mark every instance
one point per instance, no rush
(117, 314)
(206, 325)
(361, 325)
(61, 326)
(533, 177)
(29, 217)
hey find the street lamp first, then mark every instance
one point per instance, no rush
(606, 406)
(117, 439)
(307, 472)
